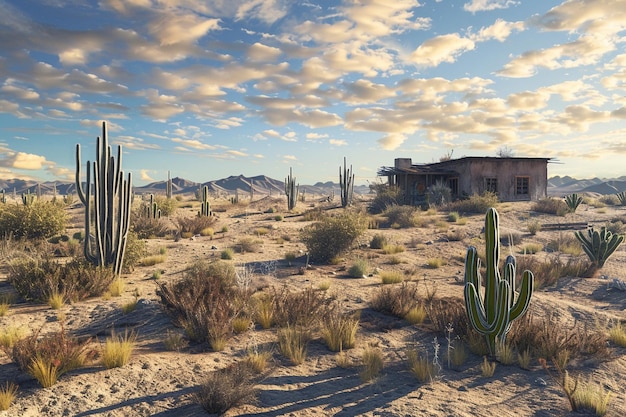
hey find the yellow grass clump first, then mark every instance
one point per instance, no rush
(118, 350)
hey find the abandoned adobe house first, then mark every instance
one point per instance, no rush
(512, 179)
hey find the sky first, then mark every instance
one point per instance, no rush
(209, 89)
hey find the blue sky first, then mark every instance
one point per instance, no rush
(208, 89)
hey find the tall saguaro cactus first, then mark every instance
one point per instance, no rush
(492, 314)
(291, 191)
(205, 206)
(107, 213)
(346, 184)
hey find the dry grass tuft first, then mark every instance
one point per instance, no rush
(391, 277)
(227, 388)
(293, 342)
(339, 329)
(8, 393)
(421, 366)
(117, 350)
(373, 363)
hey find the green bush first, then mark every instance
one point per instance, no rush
(166, 205)
(35, 279)
(386, 196)
(41, 219)
(378, 241)
(358, 269)
(333, 236)
(135, 251)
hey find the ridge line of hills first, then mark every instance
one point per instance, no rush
(262, 184)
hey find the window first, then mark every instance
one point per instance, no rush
(491, 184)
(453, 183)
(521, 185)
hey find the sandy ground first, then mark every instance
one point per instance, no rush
(158, 382)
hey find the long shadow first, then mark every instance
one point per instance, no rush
(186, 408)
(334, 389)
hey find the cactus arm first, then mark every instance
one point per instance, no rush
(492, 254)
(525, 293)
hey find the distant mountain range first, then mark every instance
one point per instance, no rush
(260, 184)
(559, 186)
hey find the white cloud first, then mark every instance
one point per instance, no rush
(486, 5)
(444, 48)
(338, 142)
(144, 175)
(391, 142)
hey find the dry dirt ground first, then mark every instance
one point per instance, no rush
(158, 382)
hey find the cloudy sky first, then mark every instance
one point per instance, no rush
(208, 89)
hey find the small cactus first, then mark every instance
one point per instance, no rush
(205, 206)
(573, 201)
(291, 191)
(346, 184)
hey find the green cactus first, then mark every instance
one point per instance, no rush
(152, 209)
(492, 314)
(291, 191)
(346, 184)
(28, 198)
(599, 245)
(573, 201)
(205, 206)
(108, 211)
(168, 186)
(3, 197)
(621, 197)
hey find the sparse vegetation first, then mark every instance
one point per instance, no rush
(551, 205)
(8, 393)
(227, 388)
(117, 350)
(359, 268)
(391, 277)
(333, 236)
(373, 362)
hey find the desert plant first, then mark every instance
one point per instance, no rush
(205, 206)
(493, 313)
(599, 245)
(421, 366)
(621, 197)
(533, 227)
(592, 397)
(8, 393)
(339, 329)
(227, 388)
(401, 216)
(396, 300)
(439, 193)
(9, 336)
(573, 201)
(550, 206)
(194, 225)
(453, 216)
(227, 254)
(476, 203)
(346, 184)
(487, 369)
(291, 191)
(110, 206)
(56, 300)
(332, 236)
(299, 308)
(505, 354)
(48, 357)
(373, 363)
(523, 359)
(174, 341)
(359, 268)
(393, 249)
(531, 248)
(386, 196)
(416, 315)
(293, 342)
(378, 241)
(41, 219)
(264, 310)
(435, 263)
(391, 277)
(617, 335)
(247, 245)
(117, 350)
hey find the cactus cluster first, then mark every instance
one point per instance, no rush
(107, 212)
(346, 184)
(291, 191)
(492, 314)
(152, 209)
(28, 198)
(599, 245)
(573, 201)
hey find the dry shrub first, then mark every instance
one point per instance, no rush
(150, 228)
(247, 245)
(293, 342)
(475, 203)
(445, 312)
(332, 236)
(36, 279)
(302, 308)
(38, 220)
(227, 388)
(378, 241)
(421, 366)
(373, 363)
(194, 225)
(549, 270)
(118, 350)
(48, 357)
(549, 337)
(396, 300)
(551, 205)
(402, 216)
(339, 328)
(204, 303)
(8, 393)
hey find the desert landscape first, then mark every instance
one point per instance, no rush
(167, 368)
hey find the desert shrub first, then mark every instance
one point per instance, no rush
(435, 263)
(616, 226)
(391, 277)
(453, 216)
(135, 250)
(533, 227)
(48, 357)
(550, 269)
(153, 260)
(510, 238)
(617, 334)
(401, 216)
(205, 301)
(386, 196)
(227, 388)
(167, 205)
(455, 235)
(8, 393)
(247, 245)
(302, 308)
(609, 199)
(36, 279)
(264, 309)
(358, 269)
(333, 235)
(227, 254)
(378, 241)
(421, 366)
(448, 312)
(117, 350)
(194, 225)
(573, 201)
(9, 336)
(149, 228)
(549, 337)
(551, 206)
(565, 243)
(339, 329)
(439, 193)
(393, 249)
(476, 203)
(531, 248)
(174, 341)
(293, 342)
(373, 363)
(41, 219)
(396, 300)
